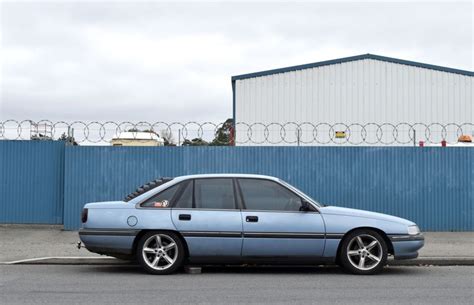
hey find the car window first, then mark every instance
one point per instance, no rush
(162, 199)
(186, 199)
(214, 194)
(261, 194)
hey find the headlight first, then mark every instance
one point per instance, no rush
(413, 230)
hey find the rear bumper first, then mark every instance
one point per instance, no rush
(108, 242)
(407, 246)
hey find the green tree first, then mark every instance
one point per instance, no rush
(68, 139)
(195, 142)
(224, 135)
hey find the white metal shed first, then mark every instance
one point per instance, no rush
(368, 99)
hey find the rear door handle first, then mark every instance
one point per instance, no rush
(251, 219)
(184, 217)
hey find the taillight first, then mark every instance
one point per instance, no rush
(84, 215)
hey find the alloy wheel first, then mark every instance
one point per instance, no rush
(160, 251)
(364, 252)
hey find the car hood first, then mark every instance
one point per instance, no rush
(332, 210)
(107, 205)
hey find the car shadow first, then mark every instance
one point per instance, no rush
(250, 269)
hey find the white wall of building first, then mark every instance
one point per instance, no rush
(361, 91)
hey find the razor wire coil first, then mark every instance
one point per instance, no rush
(243, 133)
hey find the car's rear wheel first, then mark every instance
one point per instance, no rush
(363, 252)
(160, 252)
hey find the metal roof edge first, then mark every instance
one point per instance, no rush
(353, 58)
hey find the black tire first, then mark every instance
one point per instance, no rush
(362, 260)
(157, 252)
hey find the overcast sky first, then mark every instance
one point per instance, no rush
(168, 61)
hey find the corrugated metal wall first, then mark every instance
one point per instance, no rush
(361, 91)
(431, 186)
(31, 182)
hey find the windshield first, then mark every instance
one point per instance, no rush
(294, 189)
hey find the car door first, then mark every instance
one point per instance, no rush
(206, 214)
(274, 226)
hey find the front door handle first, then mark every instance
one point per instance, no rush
(251, 219)
(184, 217)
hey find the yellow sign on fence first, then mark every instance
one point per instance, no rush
(340, 134)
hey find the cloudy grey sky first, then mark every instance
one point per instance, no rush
(172, 61)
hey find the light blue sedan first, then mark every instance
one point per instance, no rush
(235, 219)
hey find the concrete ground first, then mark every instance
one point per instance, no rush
(18, 242)
(40, 284)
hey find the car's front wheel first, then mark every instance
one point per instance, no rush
(160, 252)
(363, 252)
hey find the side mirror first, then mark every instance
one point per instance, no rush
(305, 206)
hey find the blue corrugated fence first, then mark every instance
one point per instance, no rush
(432, 186)
(31, 182)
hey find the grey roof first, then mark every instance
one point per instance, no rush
(353, 58)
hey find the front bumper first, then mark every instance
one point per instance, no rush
(406, 246)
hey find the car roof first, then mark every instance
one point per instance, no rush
(225, 176)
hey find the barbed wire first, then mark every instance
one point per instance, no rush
(241, 133)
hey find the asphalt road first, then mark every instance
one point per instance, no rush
(56, 284)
